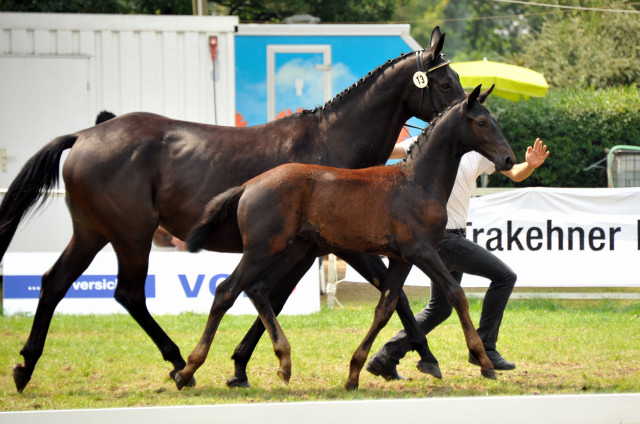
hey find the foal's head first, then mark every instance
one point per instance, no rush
(480, 132)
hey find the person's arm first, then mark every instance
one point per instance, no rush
(400, 149)
(398, 152)
(534, 157)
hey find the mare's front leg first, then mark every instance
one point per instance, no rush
(389, 291)
(431, 264)
(373, 270)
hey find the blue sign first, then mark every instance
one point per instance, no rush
(87, 286)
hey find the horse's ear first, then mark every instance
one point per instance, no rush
(473, 97)
(483, 96)
(436, 46)
(435, 36)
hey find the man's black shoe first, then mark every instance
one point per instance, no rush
(378, 367)
(499, 363)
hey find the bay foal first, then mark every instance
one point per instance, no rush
(397, 211)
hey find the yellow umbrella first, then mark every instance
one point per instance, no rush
(512, 82)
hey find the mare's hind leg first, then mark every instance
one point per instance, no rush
(133, 264)
(277, 297)
(75, 258)
(390, 290)
(431, 264)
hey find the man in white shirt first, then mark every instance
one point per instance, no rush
(461, 255)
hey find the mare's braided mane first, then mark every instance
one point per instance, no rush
(370, 75)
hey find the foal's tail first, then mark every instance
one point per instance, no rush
(221, 208)
(38, 177)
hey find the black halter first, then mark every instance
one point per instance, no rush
(424, 75)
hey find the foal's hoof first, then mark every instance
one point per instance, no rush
(175, 377)
(490, 374)
(21, 377)
(284, 375)
(350, 386)
(181, 382)
(242, 383)
(429, 368)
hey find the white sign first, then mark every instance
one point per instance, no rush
(176, 282)
(556, 237)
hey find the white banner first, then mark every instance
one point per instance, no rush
(177, 282)
(556, 237)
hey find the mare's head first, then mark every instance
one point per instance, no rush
(435, 85)
(479, 131)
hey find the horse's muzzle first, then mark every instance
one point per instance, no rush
(506, 163)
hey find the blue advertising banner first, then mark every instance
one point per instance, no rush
(85, 287)
(177, 282)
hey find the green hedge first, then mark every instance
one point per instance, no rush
(576, 125)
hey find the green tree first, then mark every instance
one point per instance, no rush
(474, 28)
(496, 29)
(63, 6)
(327, 10)
(586, 49)
(449, 15)
(152, 7)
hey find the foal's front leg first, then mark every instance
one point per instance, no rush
(431, 264)
(389, 292)
(373, 269)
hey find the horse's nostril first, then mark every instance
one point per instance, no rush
(509, 162)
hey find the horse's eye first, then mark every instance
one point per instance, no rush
(481, 123)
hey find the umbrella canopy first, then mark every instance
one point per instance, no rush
(512, 82)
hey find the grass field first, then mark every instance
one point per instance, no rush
(560, 347)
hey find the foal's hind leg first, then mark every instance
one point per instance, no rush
(133, 264)
(226, 294)
(281, 346)
(55, 282)
(277, 297)
(259, 291)
(390, 290)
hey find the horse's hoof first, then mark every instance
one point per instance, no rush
(351, 386)
(242, 383)
(181, 382)
(429, 368)
(284, 375)
(190, 383)
(21, 377)
(490, 374)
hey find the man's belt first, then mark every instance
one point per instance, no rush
(459, 231)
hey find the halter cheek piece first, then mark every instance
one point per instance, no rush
(421, 79)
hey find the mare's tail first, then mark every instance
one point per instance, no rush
(221, 208)
(37, 177)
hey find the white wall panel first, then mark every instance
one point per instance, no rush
(57, 71)
(159, 64)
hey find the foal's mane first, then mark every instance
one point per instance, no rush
(358, 84)
(424, 137)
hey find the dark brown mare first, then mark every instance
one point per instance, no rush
(127, 176)
(396, 211)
